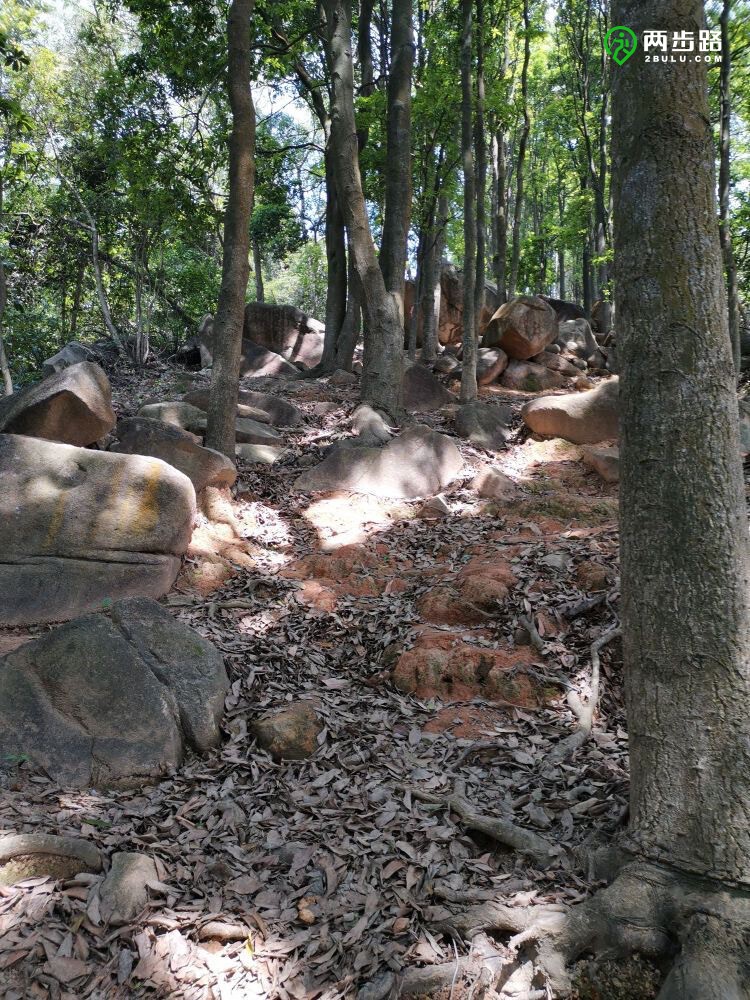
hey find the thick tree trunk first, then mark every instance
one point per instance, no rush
(230, 313)
(522, 143)
(481, 154)
(685, 560)
(351, 328)
(431, 291)
(384, 340)
(730, 266)
(260, 294)
(469, 360)
(398, 181)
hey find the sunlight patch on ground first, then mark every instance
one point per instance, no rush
(350, 518)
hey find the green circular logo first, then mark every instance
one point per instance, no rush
(621, 43)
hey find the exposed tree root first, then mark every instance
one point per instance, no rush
(584, 713)
(703, 929)
(542, 851)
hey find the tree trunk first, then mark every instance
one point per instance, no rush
(230, 313)
(684, 540)
(469, 360)
(481, 154)
(351, 328)
(431, 291)
(411, 322)
(76, 307)
(523, 141)
(4, 366)
(501, 215)
(730, 266)
(383, 355)
(260, 295)
(398, 180)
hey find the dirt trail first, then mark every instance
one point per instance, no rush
(338, 877)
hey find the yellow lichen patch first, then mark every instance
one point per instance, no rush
(56, 521)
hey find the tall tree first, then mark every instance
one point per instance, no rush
(398, 175)
(480, 146)
(384, 335)
(469, 367)
(515, 258)
(725, 124)
(230, 313)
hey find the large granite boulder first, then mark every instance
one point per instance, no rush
(72, 354)
(526, 376)
(491, 363)
(522, 327)
(483, 424)
(580, 417)
(73, 406)
(418, 463)
(180, 449)
(285, 330)
(114, 701)
(422, 391)
(261, 406)
(80, 528)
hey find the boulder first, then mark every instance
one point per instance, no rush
(370, 425)
(176, 413)
(112, 702)
(255, 360)
(422, 391)
(522, 327)
(446, 364)
(291, 734)
(252, 404)
(342, 378)
(576, 337)
(564, 310)
(605, 461)
(178, 448)
(580, 417)
(601, 317)
(72, 354)
(491, 363)
(528, 377)
(259, 454)
(285, 330)
(79, 528)
(73, 406)
(556, 363)
(493, 484)
(483, 424)
(434, 509)
(418, 463)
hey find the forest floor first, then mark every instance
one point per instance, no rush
(330, 875)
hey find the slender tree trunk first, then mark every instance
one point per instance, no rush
(523, 141)
(351, 328)
(684, 539)
(481, 153)
(501, 216)
(412, 322)
(260, 295)
(384, 340)
(336, 292)
(431, 291)
(4, 366)
(230, 313)
(398, 180)
(730, 266)
(76, 307)
(469, 360)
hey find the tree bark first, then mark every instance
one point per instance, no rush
(522, 143)
(469, 359)
(684, 538)
(398, 179)
(4, 366)
(260, 295)
(230, 313)
(383, 355)
(730, 267)
(501, 215)
(481, 154)
(431, 290)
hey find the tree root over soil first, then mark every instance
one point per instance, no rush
(699, 930)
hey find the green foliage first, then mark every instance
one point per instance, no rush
(300, 280)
